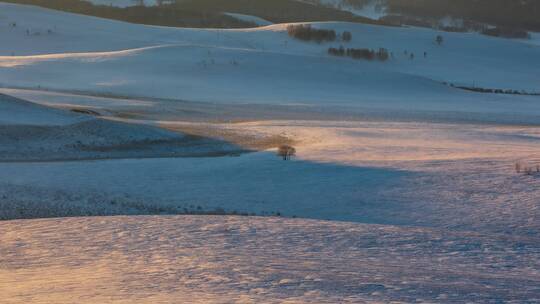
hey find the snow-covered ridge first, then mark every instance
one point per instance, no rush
(30, 132)
(15, 112)
(126, 3)
(248, 18)
(14, 61)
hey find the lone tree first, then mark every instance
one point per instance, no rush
(286, 152)
(346, 36)
(439, 39)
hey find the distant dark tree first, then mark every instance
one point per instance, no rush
(361, 54)
(439, 39)
(346, 36)
(286, 152)
(306, 33)
(382, 54)
(337, 52)
(412, 56)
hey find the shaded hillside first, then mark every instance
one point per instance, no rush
(163, 15)
(277, 11)
(522, 14)
(204, 13)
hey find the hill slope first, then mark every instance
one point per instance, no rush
(30, 132)
(265, 65)
(159, 260)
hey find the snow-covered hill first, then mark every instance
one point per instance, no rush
(239, 75)
(254, 19)
(30, 132)
(263, 65)
(19, 112)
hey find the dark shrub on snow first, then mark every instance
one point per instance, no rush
(382, 54)
(306, 33)
(346, 36)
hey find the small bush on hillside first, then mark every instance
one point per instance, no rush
(382, 54)
(337, 51)
(306, 33)
(346, 36)
(496, 91)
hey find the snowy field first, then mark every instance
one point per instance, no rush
(403, 189)
(437, 175)
(195, 259)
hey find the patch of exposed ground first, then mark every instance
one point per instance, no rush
(241, 138)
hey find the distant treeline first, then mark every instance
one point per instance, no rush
(204, 13)
(162, 15)
(277, 11)
(368, 54)
(306, 32)
(493, 91)
(506, 32)
(523, 14)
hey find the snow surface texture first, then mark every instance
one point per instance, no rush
(416, 164)
(259, 260)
